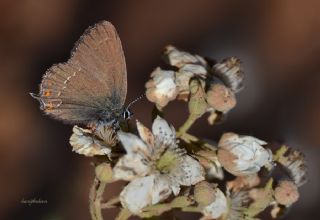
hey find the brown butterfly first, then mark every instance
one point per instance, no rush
(91, 87)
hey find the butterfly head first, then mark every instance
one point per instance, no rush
(126, 114)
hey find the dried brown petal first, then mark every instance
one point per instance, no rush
(84, 142)
(294, 162)
(107, 134)
(182, 81)
(230, 73)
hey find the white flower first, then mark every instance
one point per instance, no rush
(162, 87)
(242, 155)
(84, 141)
(218, 207)
(155, 166)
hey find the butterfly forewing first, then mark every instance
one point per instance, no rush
(92, 85)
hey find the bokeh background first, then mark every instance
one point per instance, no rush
(278, 42)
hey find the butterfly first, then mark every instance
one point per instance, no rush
(91, 87)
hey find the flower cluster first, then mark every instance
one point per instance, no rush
(166, 169)
(219, 82)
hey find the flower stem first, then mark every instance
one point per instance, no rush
(188, 138)
(280, 152)
(111, 203)
(95, 197)
(191, 209)
(262, 202)
(124, 214)
(188, 123)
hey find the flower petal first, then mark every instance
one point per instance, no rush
(179, 58)
(84, 142)
(145, 191)
(162, 130)
(162, 87)
(133, 144)
(174, 185)
(218, 207)
(229, 71)
(145, 134)
(295, 164)
(188, 172)
(194, 68)
(131, 166)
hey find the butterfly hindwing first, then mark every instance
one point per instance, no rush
(92, 84)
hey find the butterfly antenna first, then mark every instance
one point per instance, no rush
(134, 101)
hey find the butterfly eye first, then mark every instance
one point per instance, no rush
(127, 114)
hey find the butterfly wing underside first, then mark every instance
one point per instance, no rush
(92, 84)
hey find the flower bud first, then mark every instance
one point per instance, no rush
(242, 155)
(104, 172)
(221, 98)
(204, 193)
(286, 193)
(197, 103)
(218, 207)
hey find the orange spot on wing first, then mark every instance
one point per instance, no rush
(47, 93)
(49, 106)
(52, 104)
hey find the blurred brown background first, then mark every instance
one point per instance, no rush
(278, 42)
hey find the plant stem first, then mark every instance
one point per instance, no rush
(124, 214)
(280, 152)
(188, 123)
(95, 197)
(191, 209)
(111, 203)
(188, 138)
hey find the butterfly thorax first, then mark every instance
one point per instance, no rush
(111, 117)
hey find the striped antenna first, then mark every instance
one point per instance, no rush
(134, 101)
